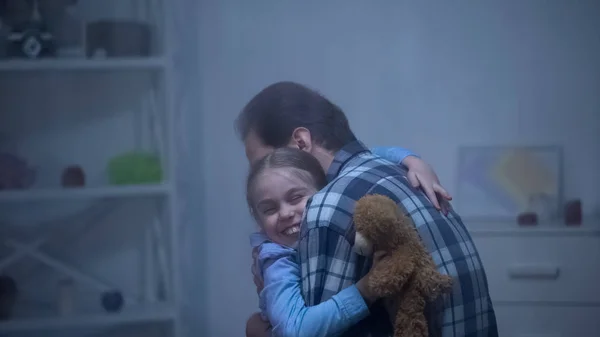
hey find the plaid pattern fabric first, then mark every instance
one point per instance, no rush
(329, 265)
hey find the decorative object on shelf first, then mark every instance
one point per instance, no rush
(527, 219)
(135, 168)
(69, 32)
(501, 182)
(59, 19)
(112, 301)
(15, 172)
(66, 297)
(573, 213)
(8, 296)
(31, 38)
(114, 38)
(73, 176)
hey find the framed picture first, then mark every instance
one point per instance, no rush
(500, 182)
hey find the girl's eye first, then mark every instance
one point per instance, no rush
(297, 198)
(269, 211)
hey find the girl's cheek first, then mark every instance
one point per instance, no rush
(269, 220)
(304, 201)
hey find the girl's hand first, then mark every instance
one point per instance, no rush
(362, 284)
(420, 174)
(257, 327)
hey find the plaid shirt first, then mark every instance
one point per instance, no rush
(329, 265)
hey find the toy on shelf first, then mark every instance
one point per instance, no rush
(73, 176)
(15, 172)
(135, 168)
(112, 301)
(29, 38)
(527, 219)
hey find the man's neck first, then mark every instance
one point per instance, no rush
(324, 157)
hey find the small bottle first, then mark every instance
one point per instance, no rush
(573, 213)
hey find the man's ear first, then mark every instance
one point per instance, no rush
(301, 139)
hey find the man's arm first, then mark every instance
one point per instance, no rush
(327, 261)
(453, 251)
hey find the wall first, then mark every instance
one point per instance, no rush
(426, 75)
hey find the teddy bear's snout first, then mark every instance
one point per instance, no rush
(362, 245)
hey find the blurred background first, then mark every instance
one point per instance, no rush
(122, 207)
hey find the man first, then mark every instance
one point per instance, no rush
(289, 114)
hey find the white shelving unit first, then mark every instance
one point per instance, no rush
(87, 193)
(149, 63)
(141, 316)
(129, 107)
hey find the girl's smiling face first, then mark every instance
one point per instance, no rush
(280, 196)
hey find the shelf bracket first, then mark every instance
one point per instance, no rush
(32, 251)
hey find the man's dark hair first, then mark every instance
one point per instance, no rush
(275, 112)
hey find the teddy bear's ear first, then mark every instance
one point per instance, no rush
(362, 246)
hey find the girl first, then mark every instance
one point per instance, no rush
(278, 188)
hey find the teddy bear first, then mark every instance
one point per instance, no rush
(406, 277)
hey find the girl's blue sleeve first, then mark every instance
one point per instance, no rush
(288, 313)
(393, 154)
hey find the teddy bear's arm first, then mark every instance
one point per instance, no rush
(390, 274)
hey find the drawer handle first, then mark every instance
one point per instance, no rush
(534, 272)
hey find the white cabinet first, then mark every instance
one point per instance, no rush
(543, 280)
(109, 240)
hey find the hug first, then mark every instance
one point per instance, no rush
(308, 171)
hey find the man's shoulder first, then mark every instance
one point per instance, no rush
(365, 170)
(366, 174)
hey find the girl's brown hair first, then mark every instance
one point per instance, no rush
(305, 166)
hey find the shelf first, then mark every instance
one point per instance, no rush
(589, 227)
(90, 321)
(74, 64)
(541, 231)
(85, 193)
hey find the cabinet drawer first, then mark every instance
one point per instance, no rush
(547, 321)
(542, 269)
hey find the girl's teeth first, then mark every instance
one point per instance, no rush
(292, 230)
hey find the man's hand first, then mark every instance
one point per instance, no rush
(420, 174)
(257, 327)
(363, 284)
(256, 273)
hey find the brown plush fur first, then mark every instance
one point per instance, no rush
(406, 276)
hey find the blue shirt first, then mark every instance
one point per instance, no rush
(282, 303)
(328, 263)
(281, 300)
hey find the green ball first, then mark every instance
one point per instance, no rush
(135, 168)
